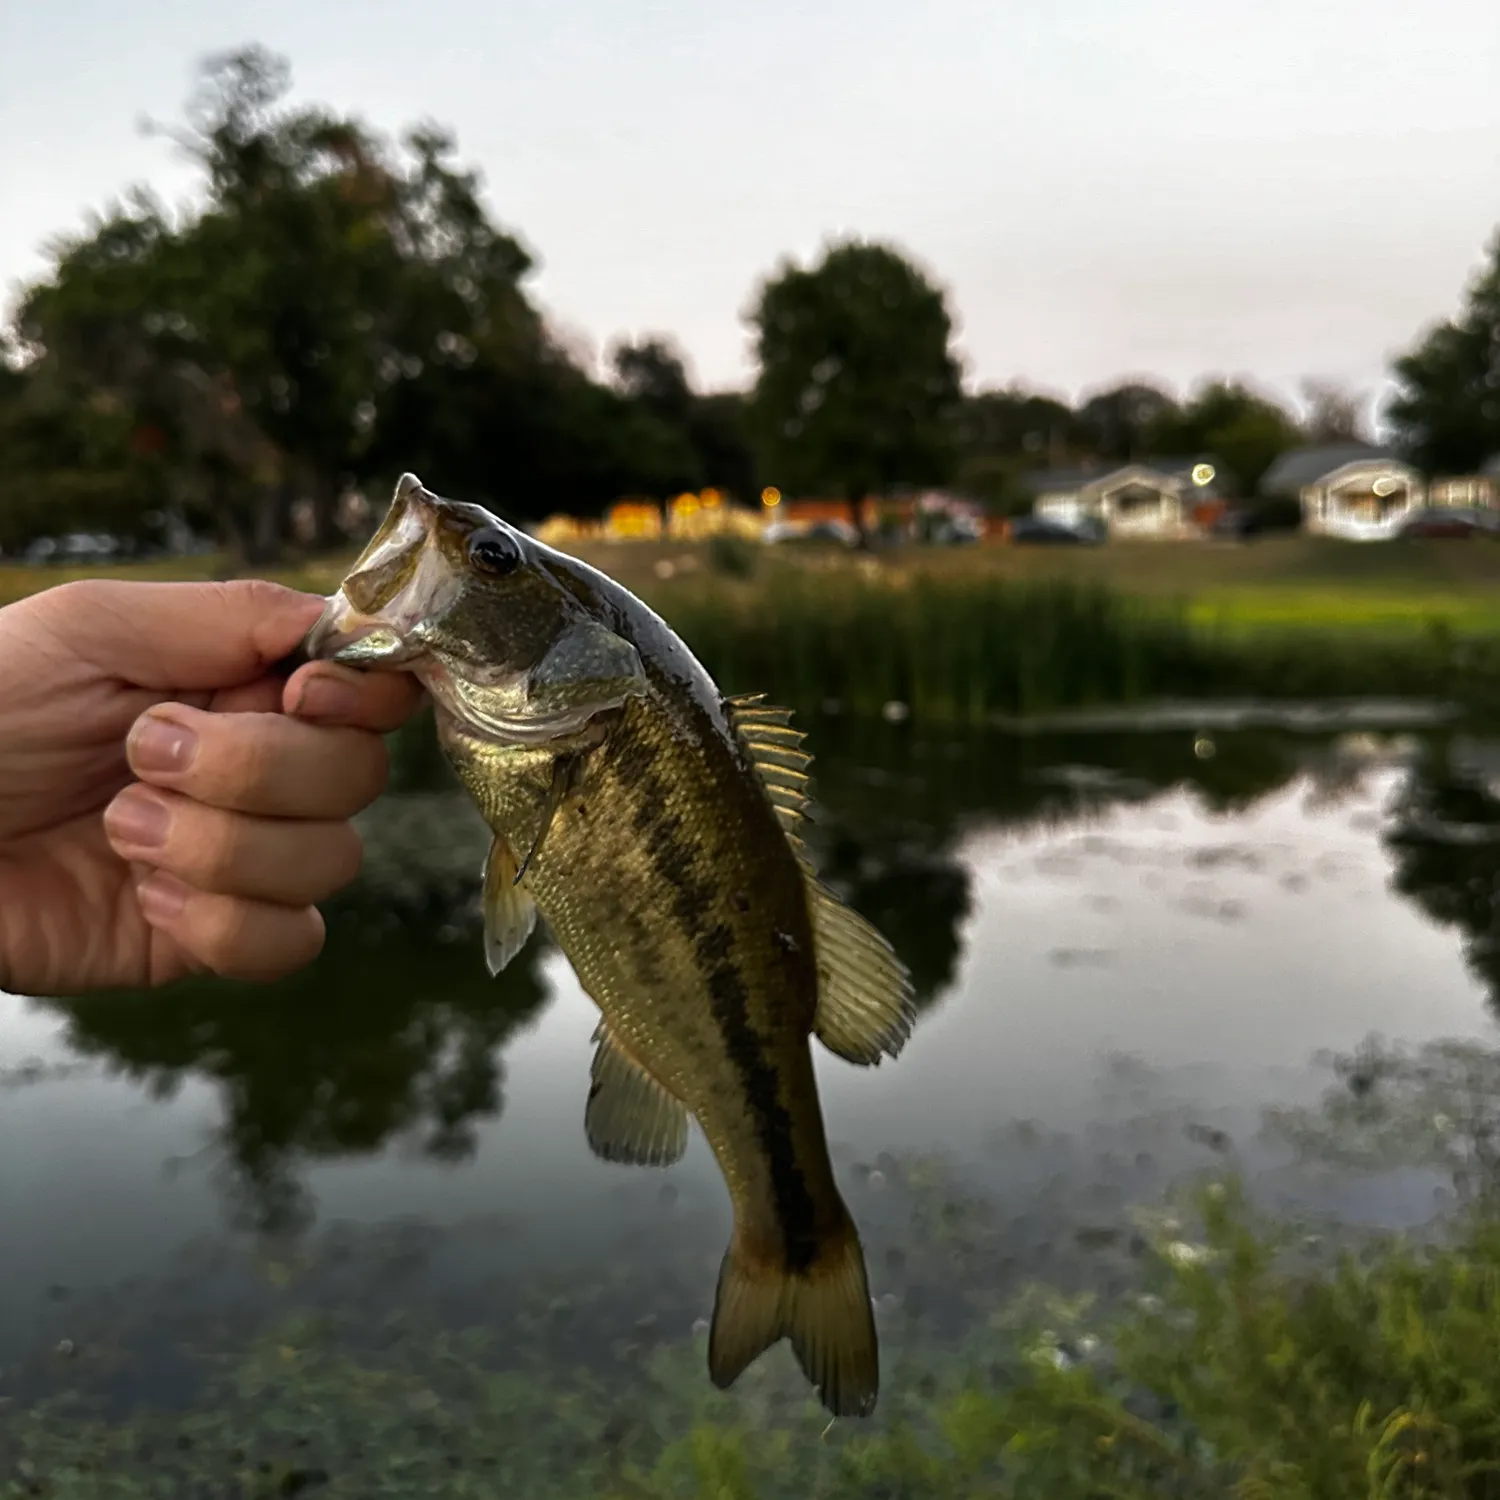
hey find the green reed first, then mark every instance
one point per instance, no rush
(969, 649)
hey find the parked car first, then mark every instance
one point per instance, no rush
(820, 531)
(1242, 522)
(77, 547)
(1450, 524)
(1041, 531)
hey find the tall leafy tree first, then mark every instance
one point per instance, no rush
(709, 444)
(1446, 413)
(1118, 423)
(1243, 429)
(1002, 434)
(1334, 414)
(858, 385)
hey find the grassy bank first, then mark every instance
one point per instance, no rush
(969, 648)
(969, 634)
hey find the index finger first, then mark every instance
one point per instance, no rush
(325, 693)
(176, 636)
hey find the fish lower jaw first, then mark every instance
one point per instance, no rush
(501, 729)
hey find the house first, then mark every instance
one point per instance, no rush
(1352, 490)
(1477, 491)
(633, 520)
(1173, 497)
(695, 518)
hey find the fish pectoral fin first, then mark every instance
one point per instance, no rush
(564, 774)
(509, 912)
(866, 1004)
(630, 1117)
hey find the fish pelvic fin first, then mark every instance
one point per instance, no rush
(630, 1117)
(823, 1309)
(866, 1003)
(509, 911)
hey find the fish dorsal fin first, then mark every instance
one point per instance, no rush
(630, 1117)
(775, 750)
(866, 1005)
(509, 911)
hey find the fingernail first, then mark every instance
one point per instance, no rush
(139, 819)
(328, 698)
(162, 896)
(160, 745)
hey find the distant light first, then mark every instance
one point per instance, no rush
(1203, 474)
(1385, 485)
(770, 496)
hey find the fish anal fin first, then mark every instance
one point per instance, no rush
(823, 1309)
(630, 1117)
(866, 1004)
(509, 911)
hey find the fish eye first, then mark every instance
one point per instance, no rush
(493, 552)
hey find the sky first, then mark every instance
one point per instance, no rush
(1106, 188)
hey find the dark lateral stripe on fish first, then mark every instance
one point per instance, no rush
(692, 903)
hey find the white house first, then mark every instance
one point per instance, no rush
(1155, 498)
(1350, 490)
(1477, 491)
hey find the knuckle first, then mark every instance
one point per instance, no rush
(213, 846)
(240, 760)
(347, 855)
(367, 767)
(223, 926)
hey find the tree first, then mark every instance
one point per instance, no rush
(715, 448)
(1446, 413)
(267, 335)
(1244, 430)
(1334, 413)
(1117, 423)
(858, 386)
(1002, 434)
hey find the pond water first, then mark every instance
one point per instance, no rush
(1127, 942)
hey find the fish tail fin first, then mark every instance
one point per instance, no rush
(823, 1308)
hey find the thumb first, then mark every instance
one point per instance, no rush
(168, 636)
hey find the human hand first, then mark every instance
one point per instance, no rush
(167, 805)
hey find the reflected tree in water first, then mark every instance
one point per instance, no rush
(1445, 841)
(894, 806)
(384, 1038)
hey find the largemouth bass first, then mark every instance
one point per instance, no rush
(654, 823)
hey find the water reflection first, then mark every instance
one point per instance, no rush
(398, 1033)
(382, 1039)
(1444, 838)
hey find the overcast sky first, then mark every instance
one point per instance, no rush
(1106, 187)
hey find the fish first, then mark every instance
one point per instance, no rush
(656, 824)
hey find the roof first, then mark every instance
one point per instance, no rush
(1075, 479)
(1302, 466)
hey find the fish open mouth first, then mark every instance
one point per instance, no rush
(399, 582)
